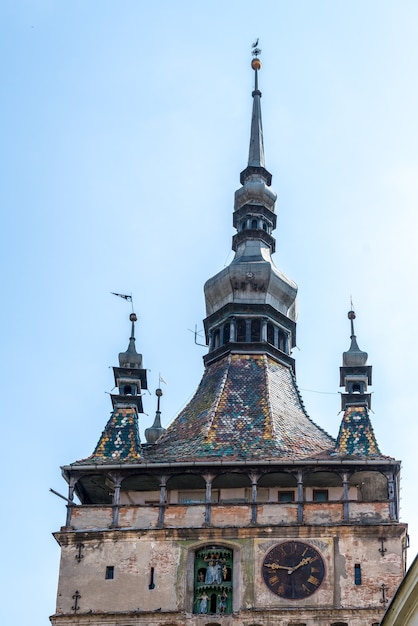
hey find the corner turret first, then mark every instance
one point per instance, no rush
(130, 377)
(355, 374)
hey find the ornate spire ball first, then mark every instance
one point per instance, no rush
(256, 63)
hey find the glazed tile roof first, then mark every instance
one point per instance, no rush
(247, 407)
(119, 441)
(356, 436)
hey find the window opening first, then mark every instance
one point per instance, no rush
(197, 496)
(357, 574)
(320, 495)
(226, 333)
(254, 224)
(216, 338)
(213, 580)
(241, 328)
(110, 572)
(282, 341)
(286, 496)
(264, 226)
(270, 333)
(151, 579)
(255, 330)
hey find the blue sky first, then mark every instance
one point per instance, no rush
(125, 126)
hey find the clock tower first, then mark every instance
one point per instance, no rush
(244, 511)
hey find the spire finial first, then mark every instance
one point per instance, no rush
(131, 358)
(156, 430)
(354, 356)
(352, 316)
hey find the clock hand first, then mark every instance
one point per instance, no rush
(303, 562)
(275, 566)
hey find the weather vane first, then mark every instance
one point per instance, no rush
(255, 49)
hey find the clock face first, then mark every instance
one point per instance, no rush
(293, 570)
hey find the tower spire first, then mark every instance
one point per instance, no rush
(256, 160)
(256, 151)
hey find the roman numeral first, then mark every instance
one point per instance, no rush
(273, 580)
(313, 581)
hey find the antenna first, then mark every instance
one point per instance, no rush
(196, 335)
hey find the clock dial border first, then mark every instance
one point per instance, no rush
(293, 570)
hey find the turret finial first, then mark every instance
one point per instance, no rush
(354, 356)
(131, 358)
(156, 430)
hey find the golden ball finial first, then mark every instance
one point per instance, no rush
(256, 64)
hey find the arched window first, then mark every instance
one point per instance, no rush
(254, 223)
(282, 341)
(243, 225)
(270, 333)
(241, 330)
(226, 333)
(127, 390)
(216, 338)
(255, 330)
(213, 580)
(264, 226)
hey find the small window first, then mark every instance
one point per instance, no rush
(254, 224)
(270, 333)
(110, 572)
(226, 333)
(357, 574)
(282, 341)
(197, 496)
(241, 330)
(320, 495)
(255, 330)
(286, 496)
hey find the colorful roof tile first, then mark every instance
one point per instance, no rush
(356, 436)
(119, 441)
(247, 407)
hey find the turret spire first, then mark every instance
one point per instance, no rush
(356, 436)
(355, 374)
